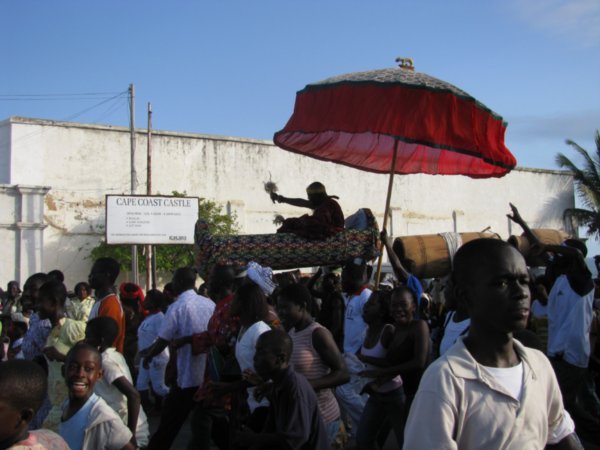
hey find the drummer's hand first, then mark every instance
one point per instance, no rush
(383, 235)
(275, 197)
(515, 216)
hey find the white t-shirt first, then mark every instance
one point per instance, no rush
(354, 324)
(114, 367)
(453, 331)
(148, 330)
(245, 348)
(569, 322)
(187, 316)
(510, 378)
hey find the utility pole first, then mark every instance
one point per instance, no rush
(134, 255)
(150, 261)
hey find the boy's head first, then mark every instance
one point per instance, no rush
(52, 297)
(101, 332)
(490, 277)
(23, 386)
(273, 351)
(104, 273)
(82, 369)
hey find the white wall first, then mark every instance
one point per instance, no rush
(82, 163)
(21, 231)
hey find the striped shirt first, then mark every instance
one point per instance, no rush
(306, 360)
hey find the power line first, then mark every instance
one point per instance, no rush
(57, 95)
(80, 113)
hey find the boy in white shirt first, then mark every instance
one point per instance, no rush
(488, 390)
(116, 385)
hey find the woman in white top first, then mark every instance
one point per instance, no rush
(250, 305)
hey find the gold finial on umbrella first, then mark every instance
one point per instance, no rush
(405, 63)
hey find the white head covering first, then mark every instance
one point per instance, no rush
(263, 276)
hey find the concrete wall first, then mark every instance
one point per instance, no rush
(82, 163)
(21, 231)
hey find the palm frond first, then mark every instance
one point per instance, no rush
(585, 218)
(587, 178)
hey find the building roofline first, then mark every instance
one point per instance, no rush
(121, 129)
(213, 137)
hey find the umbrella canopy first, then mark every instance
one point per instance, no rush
(360, 119)
(397, 121)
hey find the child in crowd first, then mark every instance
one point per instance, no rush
(64, 334)
(88, 423)
(154, 377)
(116, 386)
(23, 388)
(294, 420)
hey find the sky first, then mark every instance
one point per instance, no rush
(233, 67)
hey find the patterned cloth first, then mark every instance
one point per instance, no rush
(221, 335)
(282, 250)
(222, 329)
(35, 338)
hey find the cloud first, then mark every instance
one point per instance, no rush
(578, 126)
(578, 20)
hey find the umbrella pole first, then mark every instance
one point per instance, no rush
(385, 216)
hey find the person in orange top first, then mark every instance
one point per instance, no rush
(102, 279)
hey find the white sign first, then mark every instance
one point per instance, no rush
(140, 219)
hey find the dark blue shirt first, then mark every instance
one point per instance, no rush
(294, 414)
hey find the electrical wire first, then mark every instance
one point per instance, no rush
(52, 97)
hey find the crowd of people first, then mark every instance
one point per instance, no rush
(497, 355)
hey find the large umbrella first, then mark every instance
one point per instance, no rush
(400, 121)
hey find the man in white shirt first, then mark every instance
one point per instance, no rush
(488, 390)
(356, 294)
(188, 315)
(570, 313)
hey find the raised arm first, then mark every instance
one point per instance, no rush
(401, 273)
(516, 218)
(301, 202)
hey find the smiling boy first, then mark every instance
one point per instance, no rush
(88, 423)
(488, 390)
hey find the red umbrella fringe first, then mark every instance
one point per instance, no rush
(358, 124)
